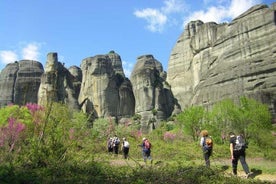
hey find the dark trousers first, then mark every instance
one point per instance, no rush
(125, 151)
(239, 155)
(206, 156)
(116, 149)
(146, 154)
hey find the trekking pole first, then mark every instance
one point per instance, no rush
(136, 161)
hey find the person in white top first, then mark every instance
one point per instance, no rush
(125, 148)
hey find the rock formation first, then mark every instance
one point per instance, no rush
(104, 89)
(76, 80)
(116, 63)
(212, 61)
(209, 62)
(153, 98)
(19, 82)
(57, 84)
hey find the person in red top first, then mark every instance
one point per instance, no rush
(146, 150)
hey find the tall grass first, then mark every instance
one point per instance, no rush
(56, 146)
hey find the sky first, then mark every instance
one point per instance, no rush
(30, 29)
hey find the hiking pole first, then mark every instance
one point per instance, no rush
(135, 161)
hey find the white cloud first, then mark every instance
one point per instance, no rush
(8, 56)
(28, 51)
(238, 7)
(214, 11)
(158, 18)
(213, 14)
(219, 13)
(31, 51)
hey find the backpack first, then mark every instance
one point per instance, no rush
(110, 143)
(239, 143)
(117, 141)
(208, 143)
(147, 144)
(126, 144)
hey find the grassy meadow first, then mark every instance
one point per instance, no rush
(59, 145)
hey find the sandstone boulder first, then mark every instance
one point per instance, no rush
(116, 63)
(57, 84)
(105, 92)
(211, 62)
(153, 98)
(19, 82)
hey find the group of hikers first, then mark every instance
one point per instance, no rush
(237, 149)
(114, 143)
(238, 146)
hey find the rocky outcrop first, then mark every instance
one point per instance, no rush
(104, 89)
(76, 81)
(211, 62)
(19, 82)
(116, 63)
(153, 97)
(57, 84)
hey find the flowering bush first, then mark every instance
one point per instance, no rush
(11, 133)
(168, 136)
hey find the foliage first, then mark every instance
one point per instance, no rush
(22, 114)
(192, 120)
(257, 122)
(47, 139)
(54, 145)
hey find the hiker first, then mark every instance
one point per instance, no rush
(125, 148)
(146, 150)
(207, 146)
(237, 150)
(116, 143)
(110, 145)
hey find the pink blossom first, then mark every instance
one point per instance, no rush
(11, 132)
(34, 107)
(169, 136)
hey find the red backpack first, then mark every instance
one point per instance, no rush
(147, 144)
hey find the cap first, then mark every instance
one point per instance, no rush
(144, 138)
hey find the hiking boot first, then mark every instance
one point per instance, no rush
(249, 175)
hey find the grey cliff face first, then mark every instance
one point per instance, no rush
(19, 82)
(57, 84)
(104, 91)
(212, 61)
(116, 63)
(152, 94)
(76, 76)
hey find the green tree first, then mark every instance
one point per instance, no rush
(256, 120)
(224, 117)
(192, 120)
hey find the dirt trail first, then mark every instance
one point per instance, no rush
(257, 173)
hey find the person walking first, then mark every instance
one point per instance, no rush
(146, 150)
(206, 144)
(110, 145)
(116, 144)
(237, 150)
(125, 148)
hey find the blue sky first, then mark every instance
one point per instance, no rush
(30, 29)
